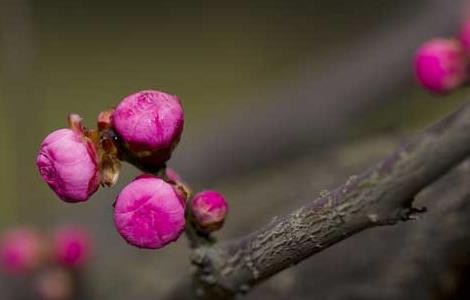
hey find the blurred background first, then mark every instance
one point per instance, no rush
(283, 99)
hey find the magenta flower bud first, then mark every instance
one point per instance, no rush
(464, 36)
(67, 161)
(150, 123)
(209, 210)
(72, 246)
(440, 65)
(20, 250)
(149, 212)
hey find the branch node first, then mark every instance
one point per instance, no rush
(412, 213)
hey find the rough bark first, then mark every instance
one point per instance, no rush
(381, 196)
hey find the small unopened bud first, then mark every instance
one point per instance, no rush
(68, 162)
(72, 246)
(20, 250)
(150, 124)
(149, 212)
(209, 210)
(440, 65)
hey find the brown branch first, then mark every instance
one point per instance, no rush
(381, 196)
(434, 255)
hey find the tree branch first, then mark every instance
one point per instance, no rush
(432, 258)
(381, 196)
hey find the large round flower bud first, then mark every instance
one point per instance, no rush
(149, 212)
(67, 161)
(150, 124)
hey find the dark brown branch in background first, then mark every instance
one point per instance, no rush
(382, 196)
(438, 249)
(317, 99)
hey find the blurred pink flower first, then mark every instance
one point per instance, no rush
(72, 246)
(464, 35)
(20, 250)
(440, 65)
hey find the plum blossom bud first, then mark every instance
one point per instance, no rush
(149, 212)
(72, 246)
(209, 210)
(150, 124)
(464, 36)
(20, 250)
(440, 65)
(68, 162)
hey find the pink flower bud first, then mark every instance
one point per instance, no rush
(67, 161)
(464, 36)
(20, 250)
(72, 246)
(149, 212)
(209, 210)
(150, 123)
(440, 65)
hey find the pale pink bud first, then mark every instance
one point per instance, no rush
(20, 250)
(464, 36)
(149, 212)
(440, 65)
(67, 161)
(150, 124)
(72, 246)
(209, 210)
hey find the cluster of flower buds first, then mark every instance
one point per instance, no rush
(144, 129)
(24, 250)
(442, 64)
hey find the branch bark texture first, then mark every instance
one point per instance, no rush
(381, 196)
(433, 258)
